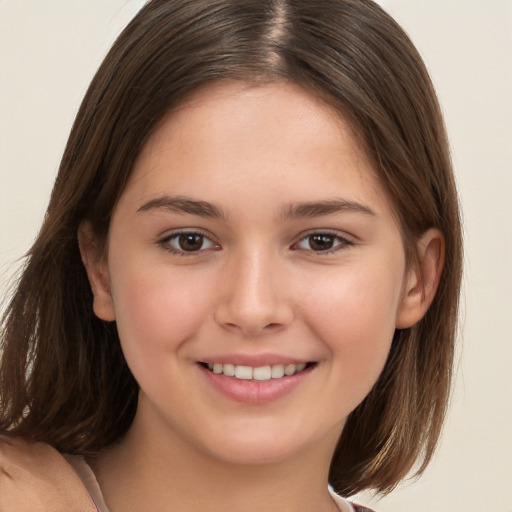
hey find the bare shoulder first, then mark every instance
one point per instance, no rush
(34, 477)
(17, 454)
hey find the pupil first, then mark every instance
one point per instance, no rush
(321, 242)
(191, 242)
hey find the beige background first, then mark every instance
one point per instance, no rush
(49, 51)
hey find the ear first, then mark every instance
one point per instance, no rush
(97, 271)
(422, 280)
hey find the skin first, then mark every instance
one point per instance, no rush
(257, 285)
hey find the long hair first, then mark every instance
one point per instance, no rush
(63, 378)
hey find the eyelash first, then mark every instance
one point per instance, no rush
(165, 243)
(343, 243)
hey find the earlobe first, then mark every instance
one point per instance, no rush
(97, 271)
(422, 281)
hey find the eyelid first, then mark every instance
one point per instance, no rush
(164, 241)
(346, 241)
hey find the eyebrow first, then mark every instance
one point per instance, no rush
(320, 208)
(182, 204)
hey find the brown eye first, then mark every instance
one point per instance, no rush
(190, 242)
(187, 242)
(323, 243)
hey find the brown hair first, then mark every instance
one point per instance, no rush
(63, 377)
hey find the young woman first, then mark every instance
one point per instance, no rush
(245, 287)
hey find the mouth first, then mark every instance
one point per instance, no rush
(259, 373)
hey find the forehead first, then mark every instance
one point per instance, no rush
(240, 136)
(243, 107)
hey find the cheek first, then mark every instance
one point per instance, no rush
(157, 309)
(354, 315)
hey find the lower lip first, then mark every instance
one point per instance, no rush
(254, 391)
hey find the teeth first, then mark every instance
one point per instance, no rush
(243, 372)
(277, 371)
(229, 370)
(289, 369)
(260, 373)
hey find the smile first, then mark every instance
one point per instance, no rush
(259, 384)
(260, 373)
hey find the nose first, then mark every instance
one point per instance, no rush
(255, 298)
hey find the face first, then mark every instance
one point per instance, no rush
(255, 272)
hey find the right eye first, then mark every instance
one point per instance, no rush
(187, 242)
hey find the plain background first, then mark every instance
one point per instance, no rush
(48, 53)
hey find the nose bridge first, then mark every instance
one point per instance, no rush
(255, 300)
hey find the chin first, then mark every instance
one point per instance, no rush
(256, 453)
(265, 445)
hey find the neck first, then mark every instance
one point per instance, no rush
(143, 473)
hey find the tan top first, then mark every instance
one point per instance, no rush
(34, 477)
(90, 482)
(86, 474)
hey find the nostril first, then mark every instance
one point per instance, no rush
(253, 319)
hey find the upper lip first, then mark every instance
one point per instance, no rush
(254, 360)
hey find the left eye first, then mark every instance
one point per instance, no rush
(322, 242)
(188, 242)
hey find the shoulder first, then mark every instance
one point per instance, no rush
(17, 454)
(34, 477)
